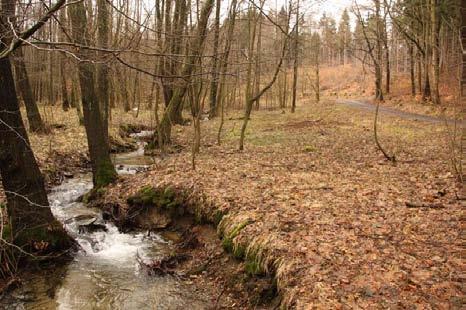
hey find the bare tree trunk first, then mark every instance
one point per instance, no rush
(419, 72)
(411, 70)
(435, 71)
(257, 75)
(378, 62)
(215, 67)
(224, 65)
(252, 99)
(387, 66)
(64, 89)
(31, 220)
(188, 69)
(102, 68)
(103, 171)
(35, 120)
(295, 61)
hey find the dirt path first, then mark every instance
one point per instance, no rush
(362, 104)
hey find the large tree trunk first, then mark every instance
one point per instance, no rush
(31, 220)
(32, 110)
(102, 69)
(103, 171)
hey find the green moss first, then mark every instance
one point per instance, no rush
(166, 199)
(93, 194)
(218, 216)
(253, 268)
(105, 174)
(239, 251)
(227, 244)
(253, 264)
(227, 241)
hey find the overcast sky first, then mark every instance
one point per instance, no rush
(316, 8)
(334, 7)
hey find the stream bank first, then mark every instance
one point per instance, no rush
(207, 249)
(114, 268)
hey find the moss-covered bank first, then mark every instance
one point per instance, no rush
(176, 203)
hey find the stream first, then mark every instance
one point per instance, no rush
(105, 273)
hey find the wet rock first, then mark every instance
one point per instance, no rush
(91, 228)
(83, 219)
(68, 175)
(106, 216)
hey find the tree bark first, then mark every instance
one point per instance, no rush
(188, 68)
(224, 65)
(411, 70)
(102, 68)
(435, 63)
(32, 110)
(103, 171)
(379, 57)
(215, 67)
(33, 225)
(295, 61)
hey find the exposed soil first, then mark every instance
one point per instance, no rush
(205, 264)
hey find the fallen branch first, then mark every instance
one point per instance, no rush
(424, 205)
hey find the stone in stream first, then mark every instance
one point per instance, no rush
(87, 223)
(91, 228)
(84, 218)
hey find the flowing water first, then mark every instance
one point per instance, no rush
(106, 273)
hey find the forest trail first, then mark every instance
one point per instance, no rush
(363, 104)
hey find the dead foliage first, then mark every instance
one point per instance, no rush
(324, 213)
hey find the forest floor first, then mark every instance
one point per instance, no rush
(334, 222)
(321, 209)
